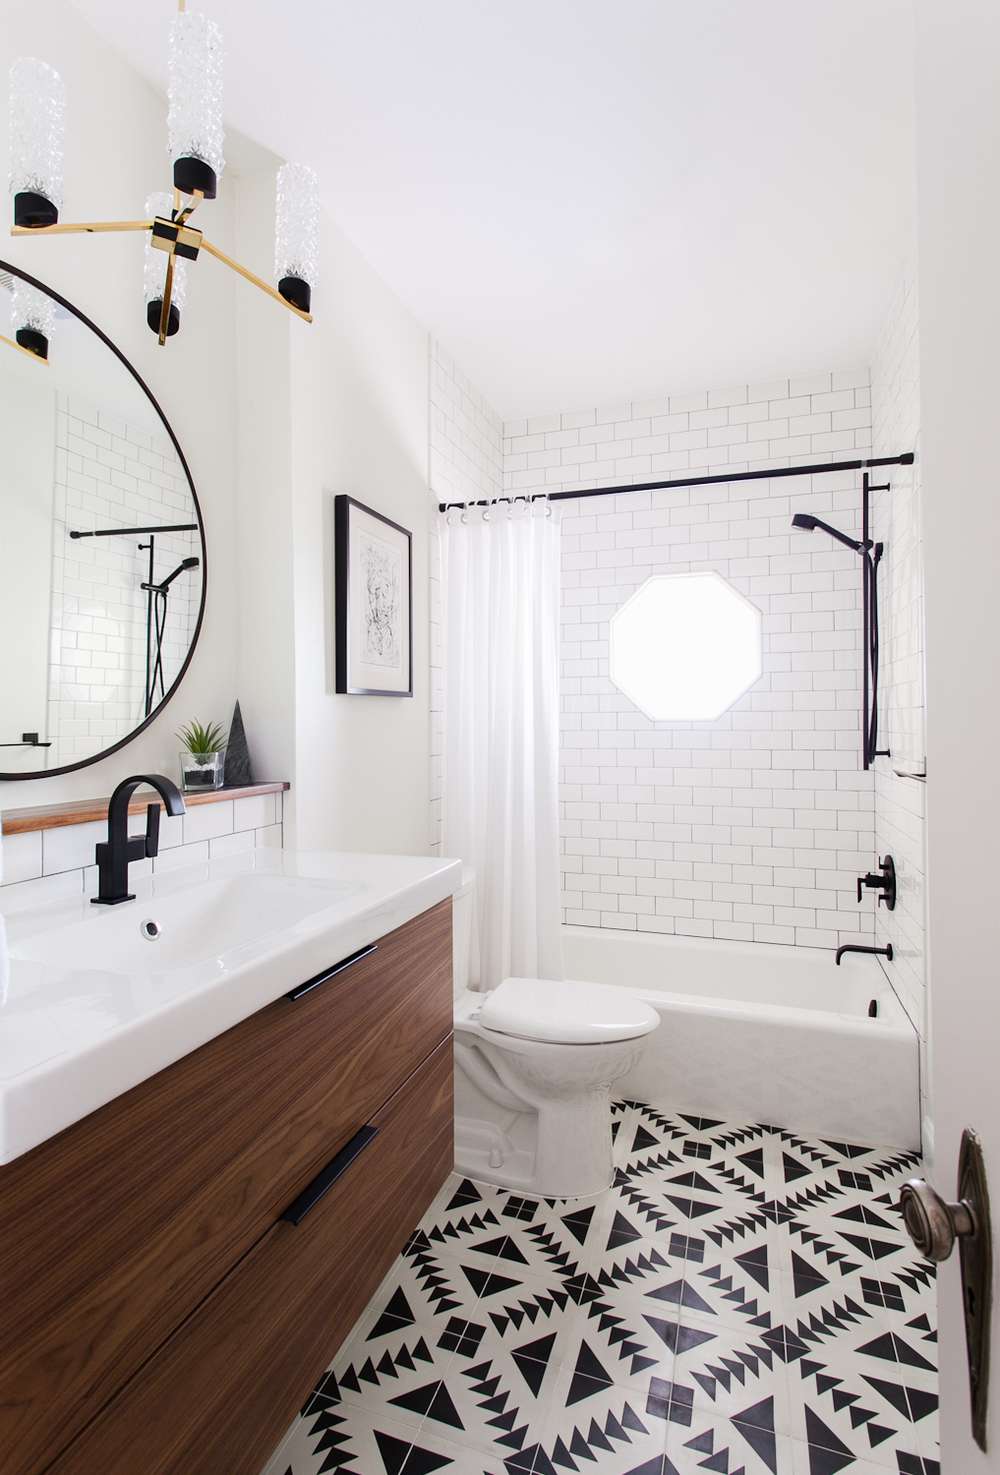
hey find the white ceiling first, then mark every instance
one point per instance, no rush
(593, 199)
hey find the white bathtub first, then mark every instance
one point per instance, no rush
(765, 1034)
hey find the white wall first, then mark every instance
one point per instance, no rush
(358, 396)
(115, 153)
(898, 521)
(265, 642)
(958, 145)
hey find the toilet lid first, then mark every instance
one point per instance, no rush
(566, 1012)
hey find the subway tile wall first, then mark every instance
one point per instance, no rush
(753, 827)
(44, 865)
(899, 801)
(111, 474)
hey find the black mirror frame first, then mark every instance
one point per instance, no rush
(24, 276)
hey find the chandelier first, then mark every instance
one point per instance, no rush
(195, 139)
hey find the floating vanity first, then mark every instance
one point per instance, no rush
(222, 1107)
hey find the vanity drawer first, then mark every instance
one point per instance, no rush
(221, 1393)
(114, 1231)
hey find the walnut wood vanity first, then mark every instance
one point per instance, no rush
(178, 1268)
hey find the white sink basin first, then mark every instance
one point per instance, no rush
(90, 1006)
(210, 921)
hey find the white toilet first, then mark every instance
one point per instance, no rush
(535, 1061)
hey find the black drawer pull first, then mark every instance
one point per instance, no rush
(311, 983)
(335, 1168)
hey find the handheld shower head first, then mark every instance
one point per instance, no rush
(807, 523)
(182, 567)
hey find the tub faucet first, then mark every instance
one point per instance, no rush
(114, 854)
(855, 947)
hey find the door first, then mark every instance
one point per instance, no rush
(958, 229)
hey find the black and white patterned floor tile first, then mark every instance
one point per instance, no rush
(742, 1301)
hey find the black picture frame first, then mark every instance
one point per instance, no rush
(5, 777)
(345, 510)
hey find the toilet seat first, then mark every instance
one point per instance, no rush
(565, 1012)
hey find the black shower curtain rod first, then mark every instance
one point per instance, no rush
(163, 527)
(906, 459)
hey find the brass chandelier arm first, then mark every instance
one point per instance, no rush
(181, 217)
(88, 227)
(168, 289)
(12, 343)
(252, 277)
(183, 214)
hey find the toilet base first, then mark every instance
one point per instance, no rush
(570, 1157)
(485, 1152)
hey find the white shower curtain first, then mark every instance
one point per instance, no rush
(500, 594)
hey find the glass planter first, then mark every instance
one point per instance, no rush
(201, 771)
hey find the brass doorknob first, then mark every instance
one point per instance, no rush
(931, 1223)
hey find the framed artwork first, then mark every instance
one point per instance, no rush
(374, 602)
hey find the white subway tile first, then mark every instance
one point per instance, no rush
(20, 857)
(206, 821)
(234, 844)
(44, 889)
(71, 847)
(180, 856)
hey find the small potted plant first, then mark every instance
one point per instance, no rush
(202, 756)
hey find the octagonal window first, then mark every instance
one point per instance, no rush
(685, 647)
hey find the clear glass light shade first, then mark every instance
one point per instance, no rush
(194, 90)
(31, 309)
(296, 234)
(685, 647)
(37, 129)
(154, 265)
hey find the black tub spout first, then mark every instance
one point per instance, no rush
(854, 947)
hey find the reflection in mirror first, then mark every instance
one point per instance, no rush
(101, 555)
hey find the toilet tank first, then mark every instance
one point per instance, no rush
(463, 932)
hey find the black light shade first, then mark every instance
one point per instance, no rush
(194, 174)
(297, 292)
(153, 311)
(33, 341)
(32, 210)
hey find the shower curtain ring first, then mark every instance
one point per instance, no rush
(486, 515)
(465, 516)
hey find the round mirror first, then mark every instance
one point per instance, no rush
(102, 548)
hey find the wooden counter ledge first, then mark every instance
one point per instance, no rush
(85, 811)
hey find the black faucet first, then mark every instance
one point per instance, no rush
(114, 854)
(854, 947)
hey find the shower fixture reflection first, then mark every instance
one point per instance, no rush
(156, 623)
(871, 554)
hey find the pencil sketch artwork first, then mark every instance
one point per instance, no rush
(382, 577)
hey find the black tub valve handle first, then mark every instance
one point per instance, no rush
(883, 881)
